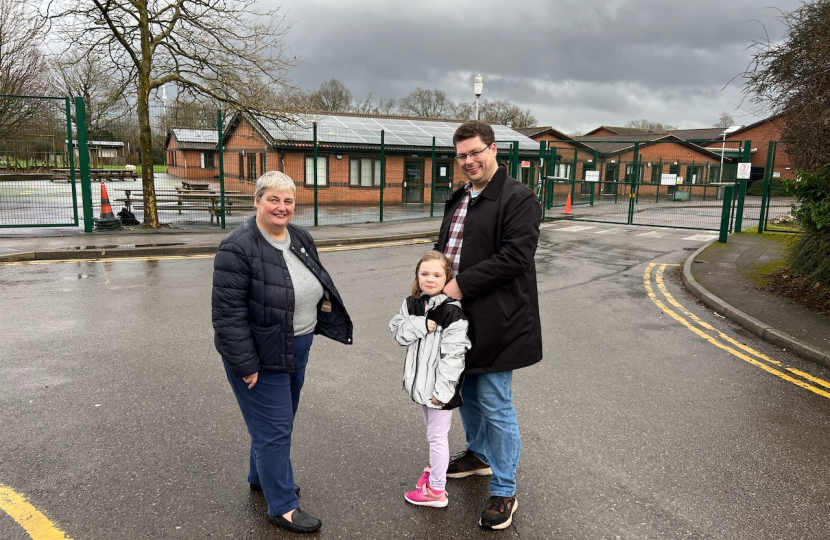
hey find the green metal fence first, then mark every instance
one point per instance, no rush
(774, 202)
(660, 183)
(37, 162)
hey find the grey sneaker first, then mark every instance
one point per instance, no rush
(498, 512)
(466, 464)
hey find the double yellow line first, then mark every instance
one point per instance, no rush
(722, 341)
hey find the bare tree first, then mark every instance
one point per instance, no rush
(427, 103)
(507, 114)
(332, 96)
(725, 120)
(790, 78)
(23, 68)
(649, 125)
(464, 110)
(87, 76)
(368, 106)
(226, 50)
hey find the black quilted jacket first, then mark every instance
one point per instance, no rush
(253, 301)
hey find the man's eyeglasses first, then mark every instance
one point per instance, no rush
(461, 158)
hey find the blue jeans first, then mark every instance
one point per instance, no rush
(492, 428)
(269, 409)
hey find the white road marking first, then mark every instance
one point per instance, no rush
(701, 237)
(576, 228)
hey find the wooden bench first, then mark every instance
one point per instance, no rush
(96, 175)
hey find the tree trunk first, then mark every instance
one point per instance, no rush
(151, 217)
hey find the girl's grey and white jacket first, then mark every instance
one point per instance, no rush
(434, 360)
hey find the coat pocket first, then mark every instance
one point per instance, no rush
(269, 343)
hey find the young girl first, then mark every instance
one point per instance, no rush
(433, 328)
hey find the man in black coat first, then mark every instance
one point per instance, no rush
(490, 232)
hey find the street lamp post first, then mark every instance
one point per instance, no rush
(727, 131)
(478, 86)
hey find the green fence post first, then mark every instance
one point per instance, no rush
(633, 184)
(314, 158)
(514, 160)
(767, 183)
(747, 152)
(432, 185)
(83, 162)
(659, 180)
(725, 211)
(71, 147)
(221, 169)
(382, 170)
(542, 165)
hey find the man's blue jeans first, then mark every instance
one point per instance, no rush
(492, 428)
(268, 409)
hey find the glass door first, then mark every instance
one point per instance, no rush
(413, 181)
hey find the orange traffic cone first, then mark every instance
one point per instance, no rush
(567, 211)
(108, 221)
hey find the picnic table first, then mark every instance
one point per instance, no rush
(191, 200)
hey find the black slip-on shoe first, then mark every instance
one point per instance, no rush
(301, 522)
(257, 487)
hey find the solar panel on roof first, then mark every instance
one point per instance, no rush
(398, 131)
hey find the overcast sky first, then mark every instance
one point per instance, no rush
(576, 64)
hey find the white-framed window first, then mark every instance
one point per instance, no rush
(364, 172)
(563, 170)
(322, 170)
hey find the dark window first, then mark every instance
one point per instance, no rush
(322, 170)
(263, 163)
(364, 172)
(252, 167)
(242, 166)
(656, 172)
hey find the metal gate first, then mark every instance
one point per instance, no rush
(37, 162)
(770, 198)
(667, 182)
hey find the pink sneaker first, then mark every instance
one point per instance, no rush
(426, 496)
(424, 478)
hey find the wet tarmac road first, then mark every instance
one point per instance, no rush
(118, 421)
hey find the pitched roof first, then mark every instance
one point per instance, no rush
(355, 131)
(617, 144)
(194, 139)
(702, 134)
(626, 131)
(542, 130)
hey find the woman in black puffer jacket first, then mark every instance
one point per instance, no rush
(271, 295)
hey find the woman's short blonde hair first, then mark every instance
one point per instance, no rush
(275, 180)
(431, 256)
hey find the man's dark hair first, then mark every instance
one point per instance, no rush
(474, 128)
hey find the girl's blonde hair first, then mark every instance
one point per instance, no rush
(431, 256)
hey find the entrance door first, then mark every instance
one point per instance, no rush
(443, 180)
(413, 181)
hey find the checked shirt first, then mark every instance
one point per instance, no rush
(456, 232)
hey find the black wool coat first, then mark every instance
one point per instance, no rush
(253, 301)
(497, 274)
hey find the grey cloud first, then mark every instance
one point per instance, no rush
(679, 54)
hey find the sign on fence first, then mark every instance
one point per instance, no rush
(744, 170)
(668, 179)
(592, 176)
